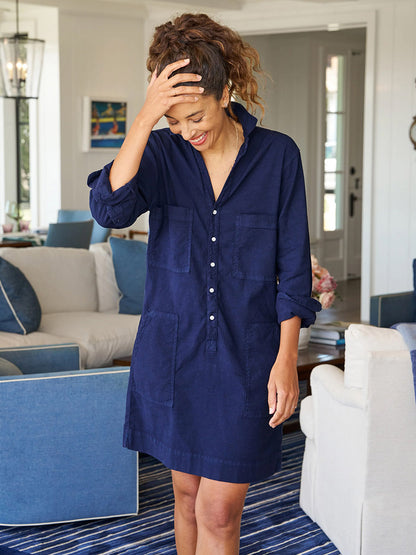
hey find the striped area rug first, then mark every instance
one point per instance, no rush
(273, 522)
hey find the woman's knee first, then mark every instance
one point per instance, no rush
(219, 510)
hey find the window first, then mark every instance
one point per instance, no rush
(334, 142)
(24, 159)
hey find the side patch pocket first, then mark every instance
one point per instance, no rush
(154, 357)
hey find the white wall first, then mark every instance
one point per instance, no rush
(389, 184)
(99, 56)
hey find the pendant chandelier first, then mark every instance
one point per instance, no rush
(20, 63)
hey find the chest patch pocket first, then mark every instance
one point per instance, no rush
(170, 238)
(254, 253)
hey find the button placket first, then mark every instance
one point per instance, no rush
(212, 301)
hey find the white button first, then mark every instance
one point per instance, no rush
(214, 212)
(213, 239)
(212, 264)
(212, 317)
(211, 289)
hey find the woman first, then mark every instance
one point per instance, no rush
(213, 372)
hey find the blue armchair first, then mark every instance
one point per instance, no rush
(99, 234)
(61, 443)
(76, 235)
(389, 309)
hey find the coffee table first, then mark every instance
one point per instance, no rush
(315, 354)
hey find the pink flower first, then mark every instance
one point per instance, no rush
(326, 283)
(323, 284)
(315, 283)
(315, 264)
(326, 299)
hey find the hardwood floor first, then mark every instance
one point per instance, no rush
(347, 305)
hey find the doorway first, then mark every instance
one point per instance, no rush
(315, 94)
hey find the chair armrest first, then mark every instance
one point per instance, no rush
(386, 310)
(43, 358)
(331, 379)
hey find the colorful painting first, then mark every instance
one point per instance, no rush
(104, 123)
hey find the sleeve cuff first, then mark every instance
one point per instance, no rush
(99, 182)
(289, 306)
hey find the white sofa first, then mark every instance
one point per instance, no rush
(359, 468)
(78, 295)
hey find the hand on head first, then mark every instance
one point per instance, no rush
(165, 90)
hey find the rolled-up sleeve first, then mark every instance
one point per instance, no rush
(293, 250)
(121, 208)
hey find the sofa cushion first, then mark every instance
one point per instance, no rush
(19, 306)
(360, 340)
(108, 293)
(7, 368)
(29, 340)
(129, 259)
(101, 336)
(63, 278)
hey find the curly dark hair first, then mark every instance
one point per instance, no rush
(216, 52)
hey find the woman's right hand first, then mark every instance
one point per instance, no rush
(162, 93)
(161, 96)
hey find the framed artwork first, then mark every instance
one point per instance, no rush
(104, 123)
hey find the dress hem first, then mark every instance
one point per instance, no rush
(196, 464)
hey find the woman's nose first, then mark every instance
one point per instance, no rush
(187, 133)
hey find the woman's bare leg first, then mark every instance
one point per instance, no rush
(218, 510)
(185, 488)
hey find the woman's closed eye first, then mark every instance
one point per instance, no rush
(172, 123)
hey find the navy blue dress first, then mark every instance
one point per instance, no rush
(221, 277)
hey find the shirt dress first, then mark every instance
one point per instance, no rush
(221, 277)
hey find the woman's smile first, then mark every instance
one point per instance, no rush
(200, 140)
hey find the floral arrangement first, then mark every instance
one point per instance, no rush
(323, 284)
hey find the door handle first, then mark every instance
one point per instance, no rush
(353, 198)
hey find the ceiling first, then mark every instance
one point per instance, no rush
(135, 6)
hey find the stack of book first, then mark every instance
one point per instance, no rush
(329, 334)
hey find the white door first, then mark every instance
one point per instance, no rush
(355, 155)
(341, 168)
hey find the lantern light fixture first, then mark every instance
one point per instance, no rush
(20, 63)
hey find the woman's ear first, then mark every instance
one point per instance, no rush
(225, 99)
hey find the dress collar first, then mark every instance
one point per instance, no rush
(247, 120)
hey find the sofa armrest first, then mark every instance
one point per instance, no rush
(331, 379)
(43, 358)
(386, 310)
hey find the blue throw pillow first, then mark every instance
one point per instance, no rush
(129, 259)
(19, 306)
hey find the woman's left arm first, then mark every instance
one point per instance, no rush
(294, 305)
(283, 386)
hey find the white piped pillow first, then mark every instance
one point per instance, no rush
(108, 292)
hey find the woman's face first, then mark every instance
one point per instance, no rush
(202, 123)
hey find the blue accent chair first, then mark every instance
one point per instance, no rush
(99, 234)
(61, 444)
(76, 235)
(386, 310)
(43, 358)
(393, 308)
